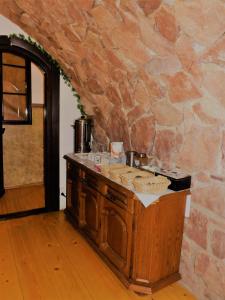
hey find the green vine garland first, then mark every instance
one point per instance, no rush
(66, 79)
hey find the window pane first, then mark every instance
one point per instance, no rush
(14, 80)
(14, 108)
(8, 58)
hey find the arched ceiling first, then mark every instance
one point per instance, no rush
(136, 64)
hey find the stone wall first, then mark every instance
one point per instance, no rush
(152, 72)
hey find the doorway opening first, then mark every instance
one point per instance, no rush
(29, 143)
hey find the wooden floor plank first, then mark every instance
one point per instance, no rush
(25, 260)
(44, 269)
(46, 258)
(98, 279)
(22, 199)
(104, 284)
(173, 292)
(9, 281)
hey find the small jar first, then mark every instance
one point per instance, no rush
(143, 159)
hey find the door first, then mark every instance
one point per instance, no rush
(116, 236)
(20, 48)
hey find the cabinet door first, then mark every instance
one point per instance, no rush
(90, 212)
(116, 236)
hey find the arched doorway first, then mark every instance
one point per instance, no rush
(22, 48)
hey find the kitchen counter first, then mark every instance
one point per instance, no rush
(145, 198)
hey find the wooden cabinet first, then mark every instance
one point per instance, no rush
(142, 245)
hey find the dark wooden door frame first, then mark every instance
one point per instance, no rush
(51, 123)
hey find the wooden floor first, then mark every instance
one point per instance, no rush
(43, 257)
(22, 199)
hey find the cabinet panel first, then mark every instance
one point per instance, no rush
(116, 236)
(73, 191)
(69, 195)
(90, 212)
(75, 198)
(159, 246)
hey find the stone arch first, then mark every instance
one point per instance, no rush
(100, 74)
(127, 61)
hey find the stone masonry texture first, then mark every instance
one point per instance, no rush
(152, 73)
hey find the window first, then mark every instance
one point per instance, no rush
(15, 78)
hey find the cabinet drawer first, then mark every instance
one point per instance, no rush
(120, 198)
(92, 181)
(73, 171)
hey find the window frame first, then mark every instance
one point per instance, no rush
(28, 96)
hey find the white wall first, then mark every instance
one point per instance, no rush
(7, 27)
(68, 112)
